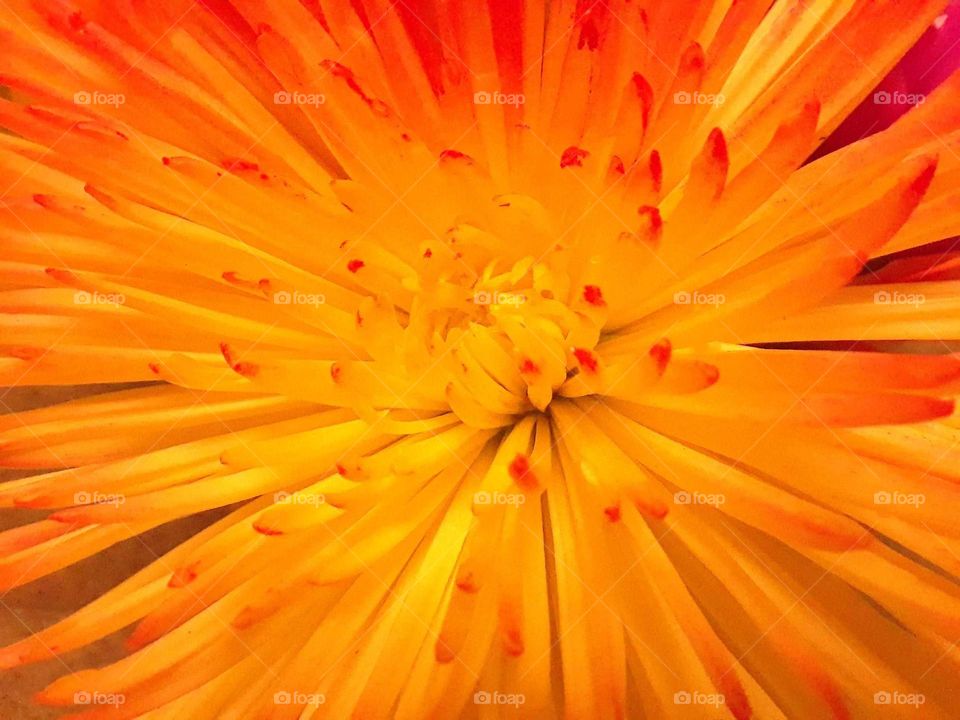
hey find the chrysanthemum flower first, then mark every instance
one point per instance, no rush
(539, 373)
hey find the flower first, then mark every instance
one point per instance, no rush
(520, 341)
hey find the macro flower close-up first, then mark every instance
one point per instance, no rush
(482, 359)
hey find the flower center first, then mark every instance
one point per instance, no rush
(520, 336)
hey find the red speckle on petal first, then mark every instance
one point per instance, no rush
(587, 360)
(346, 74)
(645, 93)
(573, 156)
(654, 509)
(355, 265)
(513, 643)
(656, 170)
(719, 159)
(653, 223)
(519, 470)
(63, 276)
(468, 583)
(529, 367)
(593, 295)
(661, 354)
(335, 371)
(183, 576)
(922, 181)
(591, 17)
(234, 279)
(239, 165)
(711, 374)
(456, 155)
(693, 59)
(613, 513)
(718, 146)
(30, 354)
(264, 530)
(248, 370)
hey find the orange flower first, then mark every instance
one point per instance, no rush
(541, 375)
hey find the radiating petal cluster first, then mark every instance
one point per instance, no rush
(537, 370)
